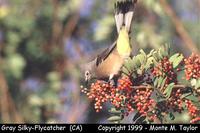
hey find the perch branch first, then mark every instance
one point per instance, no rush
(151, 87)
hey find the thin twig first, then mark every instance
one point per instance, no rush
(57, 25)
(151, 87)
(179, 27)
(198, 1)
(71, 24)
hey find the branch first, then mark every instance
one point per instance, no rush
(4, 101)
(151, 87)
(71, 24)
(57, 24)
(179, 27)
(8, 108)
(198, 3)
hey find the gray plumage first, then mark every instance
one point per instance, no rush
(108, 63)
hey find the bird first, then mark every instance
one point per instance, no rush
(108, 63)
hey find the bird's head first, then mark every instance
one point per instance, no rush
(88, 71)
(87, 76)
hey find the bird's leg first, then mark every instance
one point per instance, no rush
(112, 80)
(86, 83)
(111, 77)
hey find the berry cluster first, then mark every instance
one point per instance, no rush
(123, 97)
(125, 84)
(143, 96)
(192, 109)
(175, 102)
(125, 89)
(99, 91)
(195, 120)
(192, 67)
(143, 102)
(165, 68)
(102, 92)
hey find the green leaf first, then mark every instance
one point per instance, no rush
(173, 57)
(155, 83)
(193, 82)
(176, 59)
(167, 49)
(168, 90)
(160, 81)
(156, 55)
(192, 98)
(144, 56)
(197, 84)
(164, 50)
(115, 118)
(163, 83)
(125, 70)
(171, 116)
(137, 61)
(131, 63)
(151, 53)
(140, 71)
(160, 54)
(149, 62)
(128, 66)
(142, 52)
(186, 95)
(141, 58)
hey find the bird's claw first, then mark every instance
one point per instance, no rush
(111, 82)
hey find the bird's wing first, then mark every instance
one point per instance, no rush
(102, 56)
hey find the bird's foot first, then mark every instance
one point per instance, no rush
(111, 82)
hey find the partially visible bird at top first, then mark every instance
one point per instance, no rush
(108, 63)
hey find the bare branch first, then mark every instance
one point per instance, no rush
(9, 112)
(179, 27)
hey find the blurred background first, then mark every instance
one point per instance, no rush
(43, 44)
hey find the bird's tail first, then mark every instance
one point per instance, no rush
(124, 13)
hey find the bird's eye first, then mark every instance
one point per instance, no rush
(86, 73)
